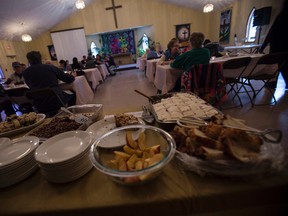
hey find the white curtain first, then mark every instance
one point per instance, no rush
(69, 44)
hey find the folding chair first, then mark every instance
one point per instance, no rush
(266, 76)
(18, 99)
(232, 72)
(45, 100)
(206, 81)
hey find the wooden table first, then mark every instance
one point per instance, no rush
(174, 192)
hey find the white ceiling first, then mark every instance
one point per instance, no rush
(38, 16)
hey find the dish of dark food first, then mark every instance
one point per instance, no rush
(56, 126)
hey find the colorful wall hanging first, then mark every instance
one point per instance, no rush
(183, 33)
(225, 26)
(119, 42)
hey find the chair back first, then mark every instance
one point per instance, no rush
(273, 59)
(45, 100)
(206, 81)
(233, 68)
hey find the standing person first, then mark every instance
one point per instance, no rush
(277, 37)
(16, 78)
(39, 76)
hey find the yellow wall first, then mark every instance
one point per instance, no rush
(160, 20)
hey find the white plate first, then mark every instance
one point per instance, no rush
(40, 119)
(17, 149)
(105, 125)
(63, 147)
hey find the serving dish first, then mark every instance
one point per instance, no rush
(168, 108)
(39, 120)
(103, 126)
(228, 147)
(137, 163)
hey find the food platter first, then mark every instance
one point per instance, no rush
(170, 107)
(271, 159)
(229, 148)
(39, 120)
(105, 125)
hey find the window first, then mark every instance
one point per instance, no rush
(2, 75)
(250, 30)
(145, 42)
(93, 48)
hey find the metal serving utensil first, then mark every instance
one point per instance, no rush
(147, 116)
(268, 135)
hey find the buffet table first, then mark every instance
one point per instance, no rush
(175, 192)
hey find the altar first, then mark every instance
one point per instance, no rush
(123, 58)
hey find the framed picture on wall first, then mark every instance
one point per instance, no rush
(225, 26)
(52, 52)
(183, 33)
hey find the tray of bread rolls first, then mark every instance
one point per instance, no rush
(226, 147)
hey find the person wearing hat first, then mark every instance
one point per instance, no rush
(16, 78)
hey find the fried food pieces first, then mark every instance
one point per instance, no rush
(215, 142)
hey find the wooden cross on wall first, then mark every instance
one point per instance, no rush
(114, 11)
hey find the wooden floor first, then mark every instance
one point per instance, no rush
(117, 95)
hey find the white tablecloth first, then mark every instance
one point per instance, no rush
(141, 63)
(151, 69)
(84, 94)
(103, 70)
(94, 76)
(165, 77)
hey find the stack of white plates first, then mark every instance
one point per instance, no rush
(17, 160)
(65, 157)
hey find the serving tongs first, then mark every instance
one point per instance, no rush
(269, 135)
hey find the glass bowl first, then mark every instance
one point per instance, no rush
(133, 154)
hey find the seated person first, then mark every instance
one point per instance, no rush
(90, 63)
(98, 59)
(171, 53)
(63, 65)
(214, 48)
(84, 60)
(146, 53)
(75, 64)
(197, 55)
(158, 49)
(17, 77)
(152, 54)
(39, 76)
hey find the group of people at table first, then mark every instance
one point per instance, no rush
(174, 61)
(42, 75)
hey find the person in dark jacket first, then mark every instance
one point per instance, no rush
(277, 38)
(39, 76)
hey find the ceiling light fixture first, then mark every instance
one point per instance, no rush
(208, 8)
(80, 4)
(26, 38)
